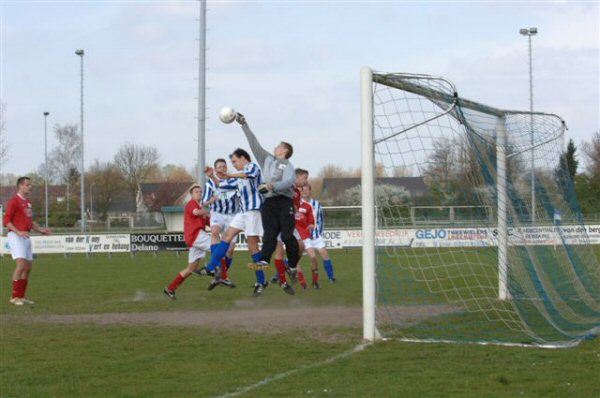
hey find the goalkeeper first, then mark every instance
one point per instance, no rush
(277, 211)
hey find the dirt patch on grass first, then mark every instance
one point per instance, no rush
(271, 320)
(319, 322)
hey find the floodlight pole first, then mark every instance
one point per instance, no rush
(531, 32)
(46, 169)
(80, 53)
(202, 94)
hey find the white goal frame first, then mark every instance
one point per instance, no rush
(370, 332)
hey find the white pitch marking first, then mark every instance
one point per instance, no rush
(243, 390)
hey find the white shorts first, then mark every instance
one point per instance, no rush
(199, 248)
(296, 235)
(317, 243)
(220, 219)
(250, 222)
(19, 247)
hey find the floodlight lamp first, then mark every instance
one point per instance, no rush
(524, 32)
(79, 52)
(46, 113)
(533, 31)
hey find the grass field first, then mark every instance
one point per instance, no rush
(102, 328)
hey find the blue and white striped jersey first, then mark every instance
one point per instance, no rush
(319, 219)
(228, 202)
(250, 198)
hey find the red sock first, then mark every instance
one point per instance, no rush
(23, 287)
(224, 268)
(301, 278)
(15, 286)
(280, 267)
(176, 282)
(315, 276)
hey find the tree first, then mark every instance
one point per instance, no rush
(571, 161)
(136, 163)
(174, 173)
(587, 185)
(106, 181)
(64, 161)
(385, 196)
(441, 170)
(591, 150)
(566, 170)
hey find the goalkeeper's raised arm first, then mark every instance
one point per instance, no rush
(278, 172)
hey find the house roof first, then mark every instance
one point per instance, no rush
(332, 187)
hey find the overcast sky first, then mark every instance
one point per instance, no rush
(291, 67)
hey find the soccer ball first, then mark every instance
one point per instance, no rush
(227, 115)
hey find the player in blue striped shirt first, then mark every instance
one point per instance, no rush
(223, 202)
(316, 241)
(247, 179)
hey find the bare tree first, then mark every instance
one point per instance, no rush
(441, 169)
(136, 163)
(64, 160)
(591, 151)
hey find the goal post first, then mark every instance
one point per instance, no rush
(368, 205)
(515, 277)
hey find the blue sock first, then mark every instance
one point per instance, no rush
(256, 257)
(212, 248)
(328, 268)
(228, 260)
(217, 255)
(260, 277)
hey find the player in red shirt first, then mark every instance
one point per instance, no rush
(19, 222)
(295, 272)
(195, 220)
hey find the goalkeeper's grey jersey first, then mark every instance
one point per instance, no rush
(279, 172)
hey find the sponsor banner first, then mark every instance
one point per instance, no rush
(149, 242)
(478, 237)
(555, 235)
(75, 244)
(334, 239)
(387, 237)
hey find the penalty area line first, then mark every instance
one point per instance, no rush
(279, 376)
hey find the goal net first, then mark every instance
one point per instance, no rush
(523, 271)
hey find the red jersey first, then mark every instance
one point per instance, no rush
(304, 218)
(20, 213)
(192, 225)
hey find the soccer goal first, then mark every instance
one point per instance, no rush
(522, 275)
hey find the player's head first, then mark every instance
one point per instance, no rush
(196, 192)
(284, 150)
(240, 158)
(220, 165)
(24, 185)
(301, 177)
(306, 191)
